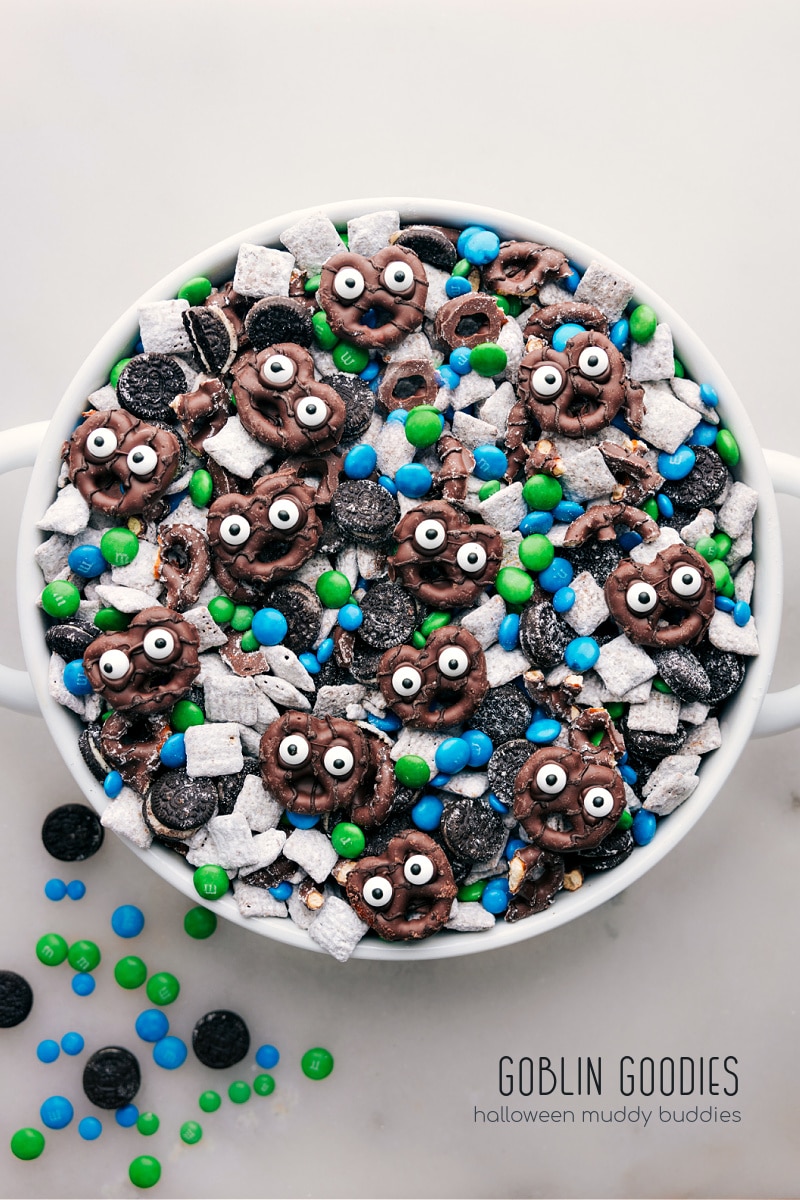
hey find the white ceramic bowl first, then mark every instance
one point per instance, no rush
(750, 713)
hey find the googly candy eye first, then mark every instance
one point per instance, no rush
(686, 581)
(547, 381)
(406, 681)
(312, 412)
(453, 662)
(142, 460)
(283, 514)
(338, 761)
(398, 278)
(419, 869)
(377, 891)
(430, 535)
(471, 557)
(551, 779)
(293, 750)
(641, 598)
(234, 530)
(278, 370)
(593, 361)
(102, 443)
(348, 283)
(158, 644)
(598, 802)
(114, 664)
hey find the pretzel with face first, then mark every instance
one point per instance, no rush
(119, 464)
(282, 405)
(441, 558)
(149, 666)
(317, 765)
(260, 539)
(405, 893)
(374, 302)
(439, 685)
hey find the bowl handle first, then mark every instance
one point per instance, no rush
(780, 711)
(18, 448)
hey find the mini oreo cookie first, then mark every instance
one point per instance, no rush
(91, 753)
(365, 511)
(148, 385)
(472, 829)
(359, 402)
(682, 671)
(16, 999)
(704, 482)
(390, 616)
(229, 786)
(278, 319)
(303, 612)
(213, 338)
(430, 244)
(503, 714)
(725, 671)
(220, 1039)
(72, 833)
(645, 744)
(612, 851)
(598, 558)
(267, 877)
(543, 636)
(70, 641)
(111, 1077)
(505, 765)
(354, 655)
(179, 802)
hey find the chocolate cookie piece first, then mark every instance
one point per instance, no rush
(16, 999)
(725, 672)
(229, 786)
(704, 482)
(612, 851)
(278, 319)
(543, 635)
(408, 383)
(504, 713)
(70, 641)
(91, 751)
(598, 558)
(390, 616)
(179, 803)
(220, 1039)
(359, 402)
(267, 877)
(682, 672)
(365, 511)
(148, 385)
(111, 1077)
(354, 655)
(72, 833)
(303, 612)
(644, 744)
(430, 244)
(505, 765)
(472, 829)
(213, 337)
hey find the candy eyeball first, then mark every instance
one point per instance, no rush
(158, 644)
(338, 761)
(593, 362)
(294, 750)
(598, 802)
(686, 581)
(234, 530)
(312, 412)
(406, 682)
(377, 891)
(419, 869)
(551, 779)
(142, 460)
(430, 535)
(547, 381)
(453, 662)
(348, 283)
(114, 664)
(641, 598)
(102, 443)
(283, 514)
(278, 371)
(398, 278)
(471, 557)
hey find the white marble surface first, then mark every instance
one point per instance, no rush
(133, 134)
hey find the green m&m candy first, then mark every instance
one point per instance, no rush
(162, 988)
(191, 1132)
(542, 492)
(195, 290)
(186, 713)
(144, 1171)
(424, 425)
(27, 1144)
(347, 839)
(201, 488)
(130, 972)
(61, 599)
(51, 949)
(119, 547)
(199, 923)
(83, 955)
(536, 552)
(211, 882)
(333, 589)
(352, 359)
(643, 322)
(488, 359)
(514, 585)
(317, 1063)
(412, 771)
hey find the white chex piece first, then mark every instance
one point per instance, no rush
(311, 850)
(235, 450)
(606, 289)
(257, 902)
(368, 234)
(69, 513)
(124, 816)
(590, 608)
(312, 240)
(667, 421)
(725, 634)
(261, 271)
(337, 929)
(161, 327)
(213, 749)
(622, 666)
(655, 358)
(260, 809)
(672, 782)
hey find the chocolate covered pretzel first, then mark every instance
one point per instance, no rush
(439, 685)
(149, 666)
(119, 464)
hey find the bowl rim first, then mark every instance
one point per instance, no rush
(736, 723)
